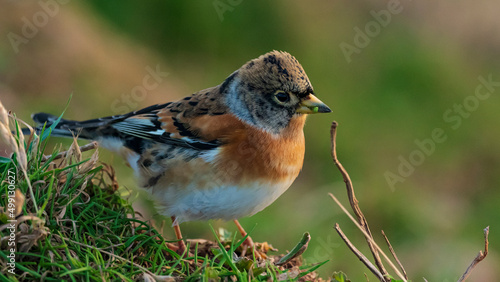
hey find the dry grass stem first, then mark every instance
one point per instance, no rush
(352, 199)
(369, 238)
(394, 255)
(16, 145)
(360, 255)
(92, 145)
(479, 256)
(362, 222)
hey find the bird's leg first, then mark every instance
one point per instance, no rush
(181, 246)
(248, 240)
(249, 243)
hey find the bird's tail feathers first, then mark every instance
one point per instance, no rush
(63, 128)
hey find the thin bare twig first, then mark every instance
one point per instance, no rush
(353, 201)
(479, 256)
(394, 255)
(90, 146)
(368, 238)
(360, 255)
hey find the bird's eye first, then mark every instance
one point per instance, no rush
(281, 96)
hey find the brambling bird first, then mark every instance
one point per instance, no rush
(224, 152)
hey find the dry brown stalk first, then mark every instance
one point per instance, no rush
(360, 255)
(92, 145)
(479, 256)
(368, 237)
(394, 255)
(362, 224)
(354, 202)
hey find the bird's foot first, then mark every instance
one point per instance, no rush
(259, 250)
(179, 248)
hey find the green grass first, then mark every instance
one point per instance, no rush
(72, 225)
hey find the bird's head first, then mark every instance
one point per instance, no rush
(267, 92)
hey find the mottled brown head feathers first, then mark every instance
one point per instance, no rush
(276, 70)
(267, 92)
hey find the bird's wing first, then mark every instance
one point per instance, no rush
(200, 121)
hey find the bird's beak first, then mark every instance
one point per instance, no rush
(312, 105)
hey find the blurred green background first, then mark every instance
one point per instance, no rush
(412, 66)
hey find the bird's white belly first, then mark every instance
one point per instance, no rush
(220, 202)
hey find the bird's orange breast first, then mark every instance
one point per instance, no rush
(251, 154)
